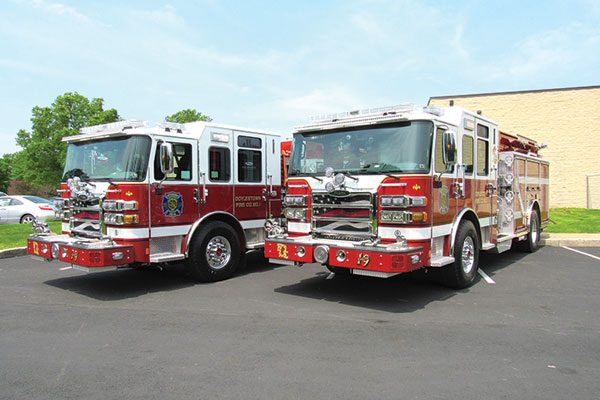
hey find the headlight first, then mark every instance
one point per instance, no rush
(109, 205)
(295, 200)
(403, 201)
(118, 205)
(401, 217)
(400, 201)
(295, 213)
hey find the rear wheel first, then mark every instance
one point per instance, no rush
(27, 219)
(532, 243)
(215, 253)
(462, 272)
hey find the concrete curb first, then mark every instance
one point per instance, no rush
(16, 252)
(571, 239)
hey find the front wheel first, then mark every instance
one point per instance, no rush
(215, 253)
(462, 272)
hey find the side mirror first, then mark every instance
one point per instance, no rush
(449, 145)
(166, 158)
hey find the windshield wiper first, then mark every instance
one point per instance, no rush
(379, 168)
(297, 172)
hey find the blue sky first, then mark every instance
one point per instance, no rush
(272, 64)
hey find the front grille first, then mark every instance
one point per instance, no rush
(85, 221)
(347, 216)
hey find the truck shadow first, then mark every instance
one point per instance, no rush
(131, 283)
(125, 284)
(491, 263)
(400, 294)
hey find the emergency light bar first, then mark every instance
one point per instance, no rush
(370, 111)
(118, 126)
(172, 126)
(372, 115)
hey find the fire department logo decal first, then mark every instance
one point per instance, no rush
(172, 204)
(444, 200)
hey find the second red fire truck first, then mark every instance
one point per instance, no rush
(392, 190)
(139, 195)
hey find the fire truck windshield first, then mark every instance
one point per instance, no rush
(122, 158)
(392, 148)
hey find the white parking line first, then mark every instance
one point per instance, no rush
(486, 277)
(581, 252)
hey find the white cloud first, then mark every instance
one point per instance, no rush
(567, 47)
(167, 15)
(57, 9)
(367, 23)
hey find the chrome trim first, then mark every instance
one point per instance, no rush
(391, 248)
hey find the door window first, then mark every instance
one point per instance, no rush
(483, 150)
(249, 165)
(219, 159)
(182, 162)
(467, 148)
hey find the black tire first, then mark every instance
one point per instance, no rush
(456, 275)
(27, 219)
(532, 243)
(221, 260)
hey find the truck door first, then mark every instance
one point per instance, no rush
(250, 180)
(173, 206)
(485, 193)
(215, 191)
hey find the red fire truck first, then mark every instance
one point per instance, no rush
(392, 190)
(135, 195)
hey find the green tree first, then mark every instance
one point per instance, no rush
(42, 159)
(187, 115)
(6, 163)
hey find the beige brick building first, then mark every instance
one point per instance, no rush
(566, 119)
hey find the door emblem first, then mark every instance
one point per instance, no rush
(444, 200)
(172, 204)
(416, 187)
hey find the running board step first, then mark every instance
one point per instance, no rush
(504, 238)
(487, 246)
(166, 257)
(441, 261)
(374, 274)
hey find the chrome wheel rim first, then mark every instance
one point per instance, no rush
(218, 252)
(468, 255)
(534, 231)
(27, 220)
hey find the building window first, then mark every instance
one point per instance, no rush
(219, 160)
(249, 166)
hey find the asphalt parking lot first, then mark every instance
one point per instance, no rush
(285, 332)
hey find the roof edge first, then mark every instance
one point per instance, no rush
(458, 96)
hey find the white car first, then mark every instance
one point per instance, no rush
(23, 209)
